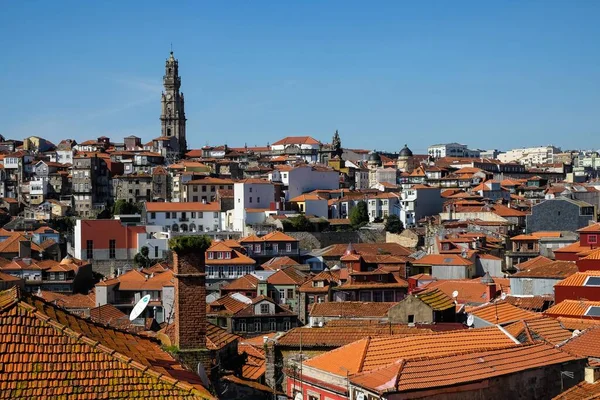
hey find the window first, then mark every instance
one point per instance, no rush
(258, 199)
(193, 214)
(195, 199)
(411, 319)
(227, 255)
(275, 247)
(593, 311)
(257, 325)
(272, 324)
(290, 293)
(592, 281)
(264, 308)
(90, 249)
(281, 294)
(250, 190)
(242, 325)
(152, 215)
(168, 215)
(593, 239)
(287, 325)
(155, 251)
(250, 200)
(204, 188)
(220, 255)
(288, 247)
(112, 244)
(194, 188)
(257, 248)
(200, 215)
(216, 215)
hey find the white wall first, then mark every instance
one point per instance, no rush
(250, 195)
(306, 179)
(208, 220)
(317, 208)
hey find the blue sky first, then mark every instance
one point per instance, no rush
(488, 74)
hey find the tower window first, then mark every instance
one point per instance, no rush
(168, 131)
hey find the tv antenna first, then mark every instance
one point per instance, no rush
(139, 307)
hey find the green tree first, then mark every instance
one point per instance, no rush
(185, 244)
(141, 259)
(122, 207)
(393, 224)
(301, 223)
(359, 216)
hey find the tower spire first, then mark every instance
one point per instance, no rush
(173, 108)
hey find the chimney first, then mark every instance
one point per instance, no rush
(190, 309)
(592, 374)
(24, 249)
(490, 291)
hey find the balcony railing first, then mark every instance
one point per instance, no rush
(183, 219)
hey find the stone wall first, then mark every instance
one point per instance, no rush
(316, 240)
(407, 238)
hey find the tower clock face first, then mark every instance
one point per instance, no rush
(169, 96)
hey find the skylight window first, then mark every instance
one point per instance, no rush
(592, 281)
(593, 311)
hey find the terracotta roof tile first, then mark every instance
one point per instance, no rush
(586, 344)
(225, 305)
(594, 228)
(501, 313)
(276, 263)
(246, 282)
(578, 278)
(351, 309)
(577, 323)
(296, 140)
(217, 337)
(540, 328)
(443, 259)
(337, 336)
(572, 308)
(287, 276)
(555, 269)
(80, 359)
(394, 249)
(539, 260)
(254, 367)
(462, 368)
(369, 354)
(531, 303)
(581, 391)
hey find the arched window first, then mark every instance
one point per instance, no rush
(168, 131)
(192, 227)
(184, 228)
(175, 228)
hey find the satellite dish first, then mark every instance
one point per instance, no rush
(298, 396)
(320, 324)
(139, 307)
(470, 320)
(503, 296)
(455, 294)
(576, 332)
(202, 374)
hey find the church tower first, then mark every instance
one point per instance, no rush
(172, 117)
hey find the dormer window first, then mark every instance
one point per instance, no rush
(228, 255)
(211, 255)
(220, 255)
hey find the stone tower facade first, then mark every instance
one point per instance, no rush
(172, 117)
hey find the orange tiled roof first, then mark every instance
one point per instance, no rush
(534, 262)
(351, 309)
(539, 328)
(369, 354)
(581, 391)
(577, 323)
(246, 282)
(254, 367)
(237, 258)
(594, 228)
(110, 315)
(80, 359)
(501, 313)
(296, 140)
(461, 368)
(276, 263)
(586, 344)
(217, 337)
(226, 305)
(470, 291)
(572, 248)
(11, 244)
(571, 308)
(275, 236)
(287, 276)
(337, 336)
(394, 249)
(531, 303)
(578, 278)
(554, 269)
(69, 301)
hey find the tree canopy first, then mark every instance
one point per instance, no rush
(393, 224)
(359, 216)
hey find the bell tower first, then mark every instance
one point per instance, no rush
(172, 117)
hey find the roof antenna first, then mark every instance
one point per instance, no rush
(171, 47)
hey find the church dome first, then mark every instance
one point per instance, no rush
(374, 157)
(405, 152)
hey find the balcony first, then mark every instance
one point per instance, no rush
(184, 219)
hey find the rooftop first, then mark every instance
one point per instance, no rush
(351, 309)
